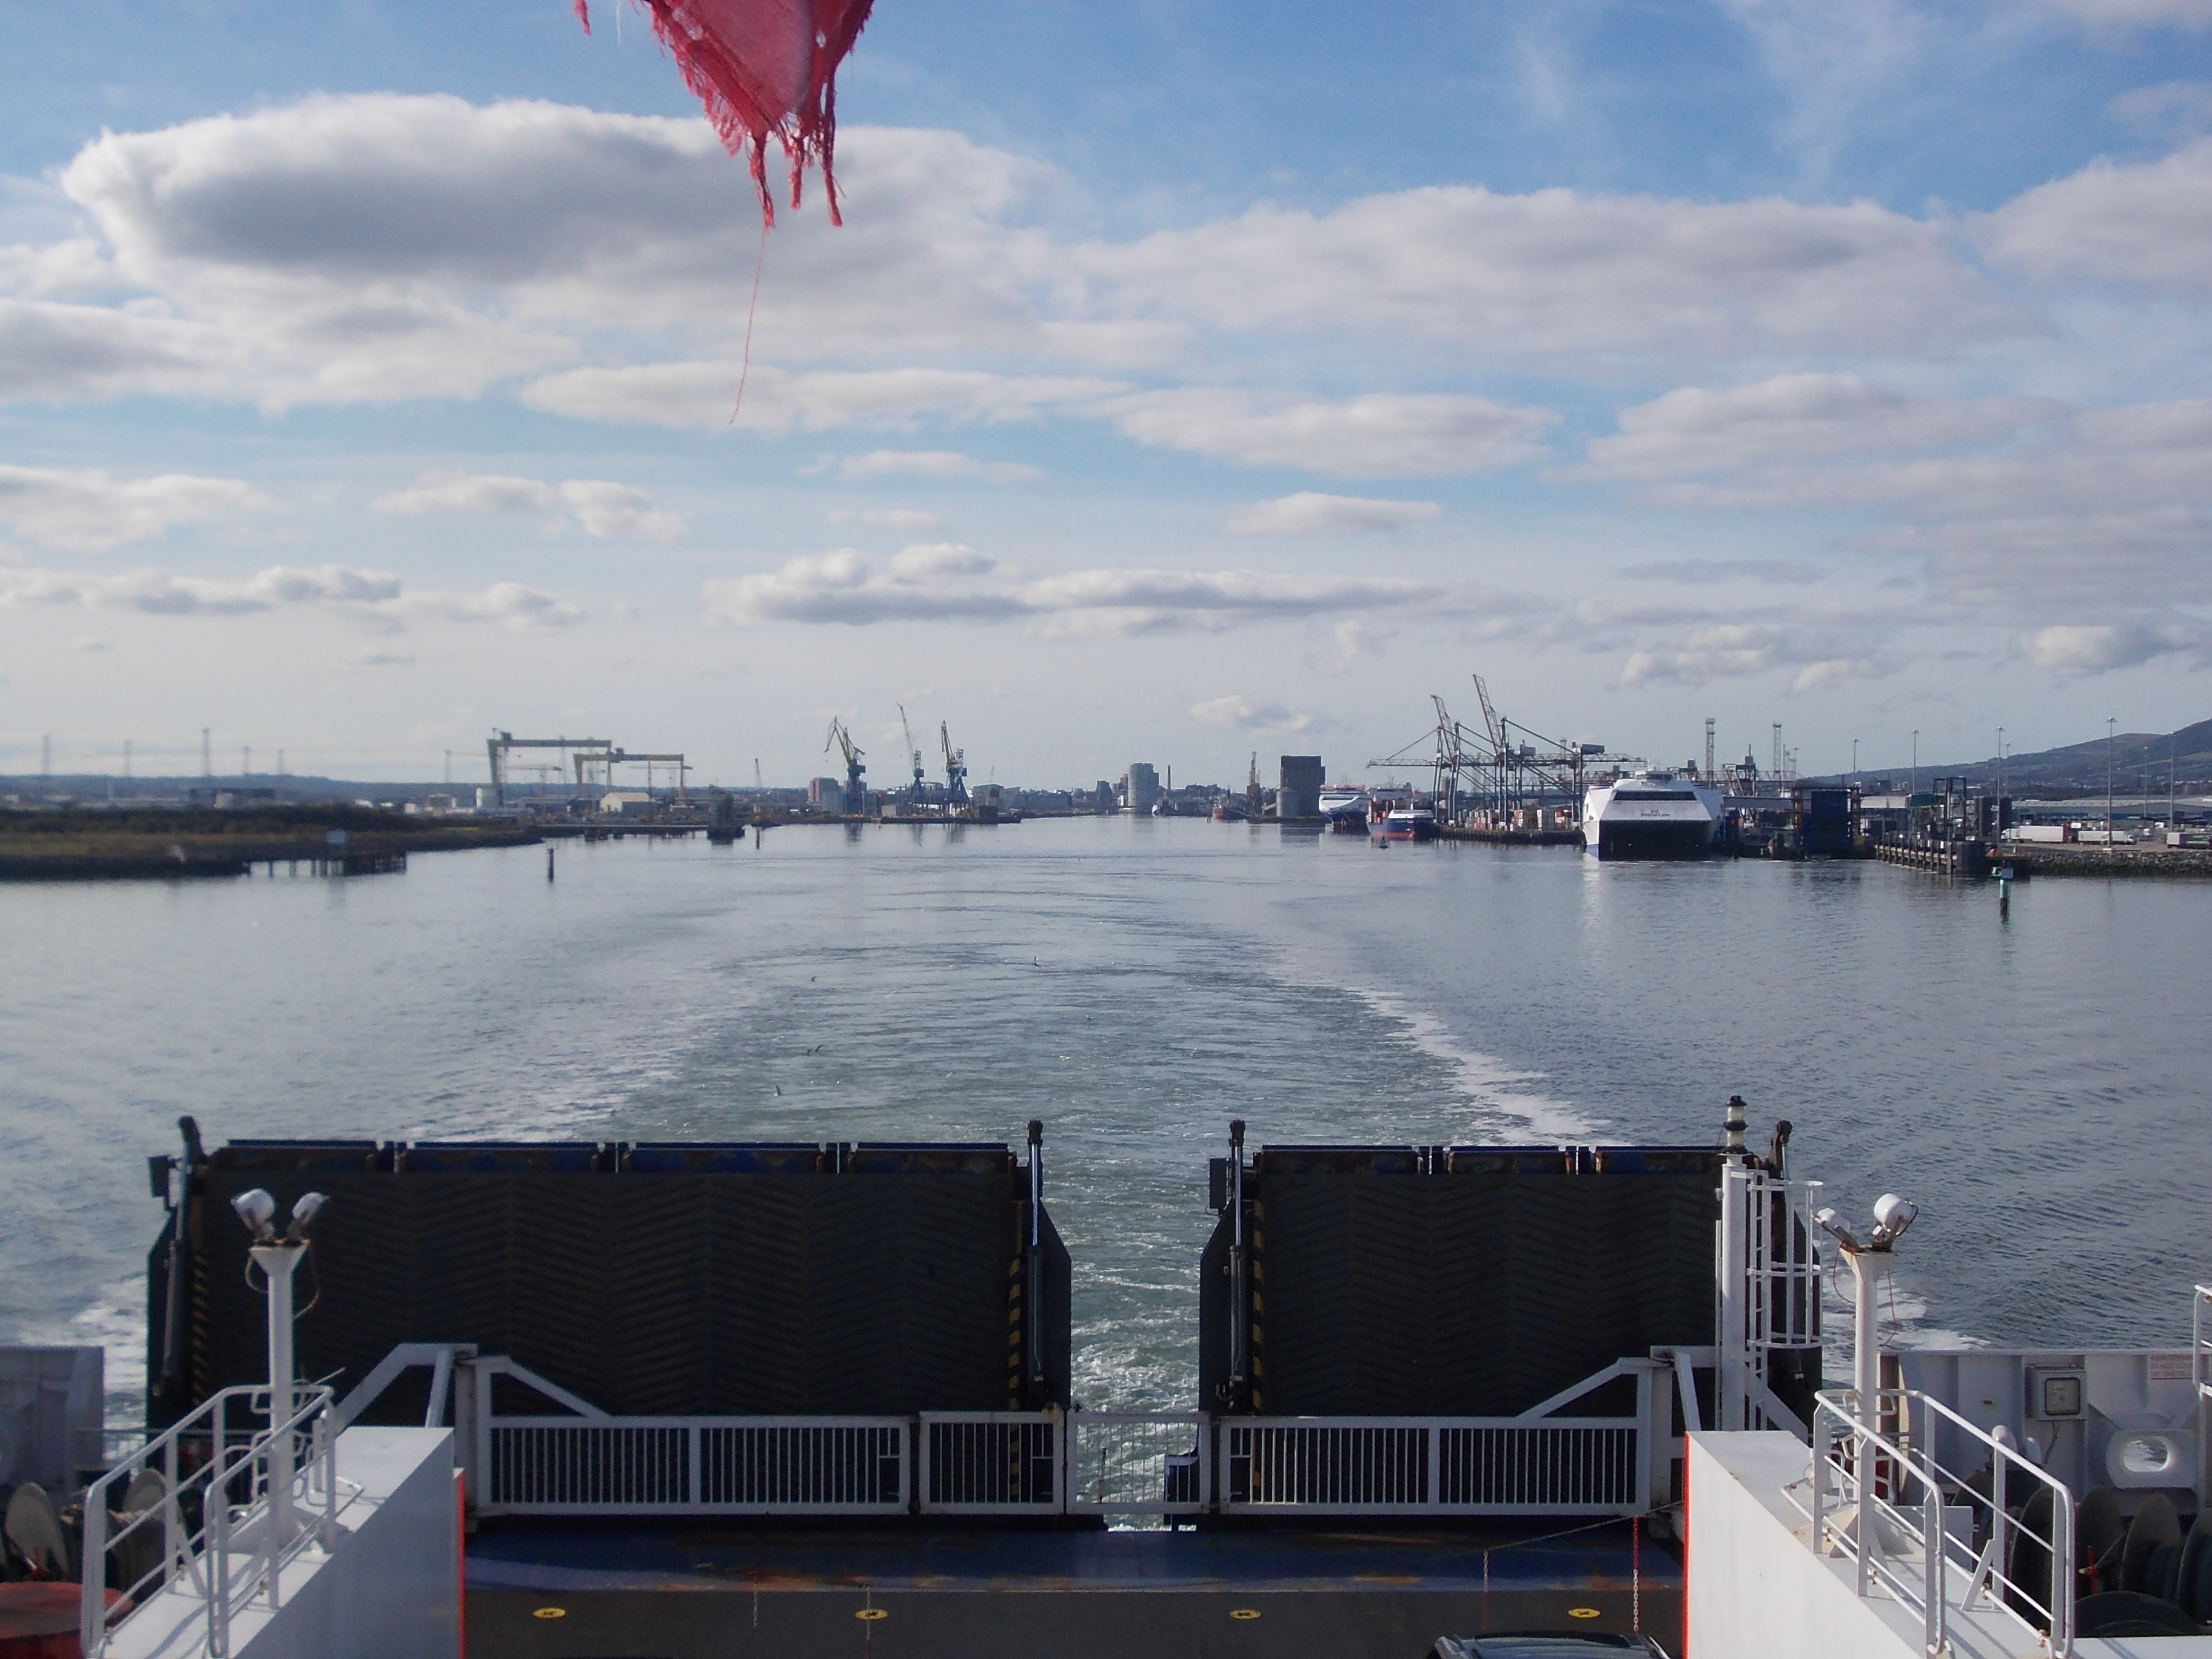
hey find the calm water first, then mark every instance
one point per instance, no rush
(2037, 1081)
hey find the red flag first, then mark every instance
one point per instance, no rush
(763, 68)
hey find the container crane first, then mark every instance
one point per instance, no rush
(1510, 766)
(921, 790)
(856, 796)
(956, 769)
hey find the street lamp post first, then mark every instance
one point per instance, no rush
(2111, 726)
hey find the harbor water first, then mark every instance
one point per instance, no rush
(2034, 1077)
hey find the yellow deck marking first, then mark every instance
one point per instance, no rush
(872, 1614)
(1582, 1612)
(1243, 1612)
(550, 1613)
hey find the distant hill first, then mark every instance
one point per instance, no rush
(2079, 768)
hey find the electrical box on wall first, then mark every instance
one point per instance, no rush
(2057, 1395)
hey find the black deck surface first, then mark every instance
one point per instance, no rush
(1379, 1591)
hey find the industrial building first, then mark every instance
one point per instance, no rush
(1143, 790)
(1299, 794)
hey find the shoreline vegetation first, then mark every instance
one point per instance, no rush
(163, 844)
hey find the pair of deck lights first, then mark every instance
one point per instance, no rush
(1892, 1216)
(259, 1212)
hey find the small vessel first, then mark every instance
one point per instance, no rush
(1346, 807)
(1651, 815)
(1410, 823)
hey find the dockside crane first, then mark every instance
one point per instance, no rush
(1504, 766)
(500, 744)
(956, 768)
(856, 797)
(921, 790)
(1252, 789)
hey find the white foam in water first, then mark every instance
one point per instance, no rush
(1484, 1080)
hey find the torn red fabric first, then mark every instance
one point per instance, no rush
(763, 68)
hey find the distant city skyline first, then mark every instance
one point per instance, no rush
(1184, 382)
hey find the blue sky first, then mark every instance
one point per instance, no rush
(1187, 380)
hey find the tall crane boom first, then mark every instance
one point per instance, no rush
(955, 768)
(856, 797)
(913, 751)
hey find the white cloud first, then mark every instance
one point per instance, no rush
(1376, 435)
(2148, 224)
(1762, 432)
(374, 596)
(1732, 650)
(515, 606)
(2169, 108)
(2012, 502)
(1243, 714)
(601, 507)
(159, 593)
(948, 581)
(1834, 62)
(2071, 648)
(932, 464)
(1705, 572)
(2138, 14)
(388, 246)
(1310, 513)
(844, 586)
(885, 517)
(704, 394)
(87, 511)
(1355, 638)
(380, 246)
(2038, 563)
(1829, 670)
(54, 351)
(1557, 270)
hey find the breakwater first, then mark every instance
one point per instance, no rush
(2070, 859)
(167, 845)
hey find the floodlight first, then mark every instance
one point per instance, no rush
(1892, 1216)
(305, 1208)
(1828, 1218)
(255, 1208)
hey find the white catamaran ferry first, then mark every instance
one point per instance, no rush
(1651, 815)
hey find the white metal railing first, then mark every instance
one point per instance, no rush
(704, 1465)
(236, 1501)
(588, 1462)
(991, 1462)
(1881, 1499)
(757, 1467)
(1442, 1466)
(573, 1459)
(2200, 1374)
(1139, 1463)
